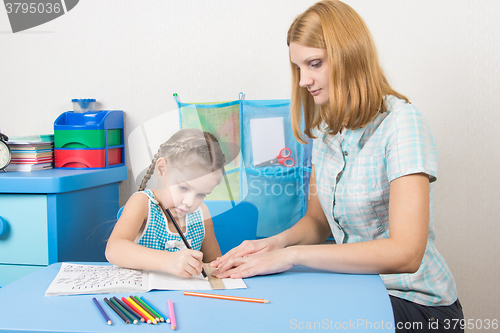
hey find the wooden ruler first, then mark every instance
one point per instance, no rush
(215, 283)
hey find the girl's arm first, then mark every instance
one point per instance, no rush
(121, 249)
(402, 252)
(210, 246)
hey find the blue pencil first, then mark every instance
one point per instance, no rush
(163, 318)
(101, 310)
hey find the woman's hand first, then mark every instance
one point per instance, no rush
(185, 263)
(257, 264)
(245, 249)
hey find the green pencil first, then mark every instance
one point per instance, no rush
(150, 306)
(115, 309)
(141, 303)
(124, 311)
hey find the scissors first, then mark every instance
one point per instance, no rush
(282, 158)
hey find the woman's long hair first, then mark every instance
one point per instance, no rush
(357, 81)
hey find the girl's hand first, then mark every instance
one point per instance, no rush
(259, 264)
(245, 249)
(185, 263)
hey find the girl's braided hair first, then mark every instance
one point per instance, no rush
(187, 147)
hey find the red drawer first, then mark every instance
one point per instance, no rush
(86, 158)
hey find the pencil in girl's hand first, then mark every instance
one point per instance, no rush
(184, 240)
(173, 323)
(115, 309)
(101, 310)
(230, 298)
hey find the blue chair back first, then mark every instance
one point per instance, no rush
(119, 213)
(232, 225)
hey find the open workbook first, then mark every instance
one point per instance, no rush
(76, 279)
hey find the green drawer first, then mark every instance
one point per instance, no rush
(114, 137)
(86, 138)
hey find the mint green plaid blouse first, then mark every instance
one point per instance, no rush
(353, 174)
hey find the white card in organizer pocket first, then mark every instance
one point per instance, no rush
(268, 138)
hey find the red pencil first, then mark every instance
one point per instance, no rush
(144, 318)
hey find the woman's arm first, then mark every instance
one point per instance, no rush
(402, 252)
(122, 250)
(210, 246)
(313, 228)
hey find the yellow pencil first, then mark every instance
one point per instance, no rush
(142, 310)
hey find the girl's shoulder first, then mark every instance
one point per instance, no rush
(139, 196)
(136, 206)
(147, 195)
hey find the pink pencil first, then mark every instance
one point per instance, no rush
(172, 314)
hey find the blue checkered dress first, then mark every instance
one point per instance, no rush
(353, 174)
(156, 234)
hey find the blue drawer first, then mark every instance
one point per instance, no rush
(24, 240)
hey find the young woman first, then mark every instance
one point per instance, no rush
(374, 168)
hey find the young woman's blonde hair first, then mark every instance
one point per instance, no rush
(357, 81)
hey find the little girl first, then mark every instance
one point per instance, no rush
(188, 166)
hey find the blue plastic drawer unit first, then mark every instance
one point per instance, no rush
(55, 215)
(91, 139)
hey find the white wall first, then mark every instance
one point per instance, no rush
(132, 55)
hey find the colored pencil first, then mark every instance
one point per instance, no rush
(115, 309)
(122, 310)
(171, 312)
(162, 317)
(230, 298)
(131, 300)
(150, 308)
(129, 309)
(144, 318)
(101, 310)
(139, 310)
(184, 240)
(140, 303)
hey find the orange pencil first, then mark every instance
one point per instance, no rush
(142, 310)
(144, 318)
(230, 298)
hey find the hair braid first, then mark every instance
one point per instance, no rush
(148, 174)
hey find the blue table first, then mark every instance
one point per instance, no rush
(301, 299)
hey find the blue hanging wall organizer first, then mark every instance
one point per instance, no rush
(280, 193)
